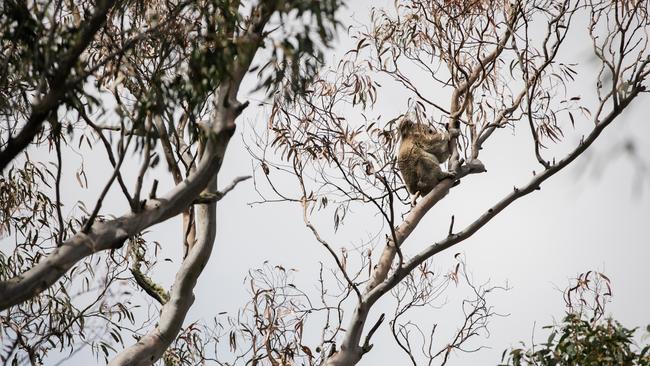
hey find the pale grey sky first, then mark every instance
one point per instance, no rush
(575, 223)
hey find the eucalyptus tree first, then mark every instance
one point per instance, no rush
(151, 78)
(164, 77)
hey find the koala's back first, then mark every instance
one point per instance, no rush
(418, 168)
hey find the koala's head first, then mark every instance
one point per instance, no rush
(410, 129)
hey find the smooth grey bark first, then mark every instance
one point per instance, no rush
(112, 234)
(152, 346)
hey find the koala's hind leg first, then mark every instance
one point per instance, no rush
(428, 173)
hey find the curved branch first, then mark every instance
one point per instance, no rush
(408, 225)
(351, 351)
(112, 234)
(517, 193)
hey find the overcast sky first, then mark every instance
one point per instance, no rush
(584, 218)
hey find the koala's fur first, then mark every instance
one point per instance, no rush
(421, 152)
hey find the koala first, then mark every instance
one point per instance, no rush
(420, 154)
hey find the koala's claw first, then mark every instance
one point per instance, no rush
(414, 199)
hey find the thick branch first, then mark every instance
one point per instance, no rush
(351, 352)
(112, 234)
(151, 347)
(517, 193)
(415, 215)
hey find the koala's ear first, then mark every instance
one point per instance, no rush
(405, 127)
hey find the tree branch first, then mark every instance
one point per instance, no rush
(58, 85)
(208, 197)
(533, 185)
(415, 215)
(112, 234)
(151, 347)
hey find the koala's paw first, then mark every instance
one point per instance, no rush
(448, 175)
(454, 132)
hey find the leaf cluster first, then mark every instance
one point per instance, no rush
(579, 342)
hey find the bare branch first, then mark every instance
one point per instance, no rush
(209, 197)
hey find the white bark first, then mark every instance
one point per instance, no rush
(153, 345)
